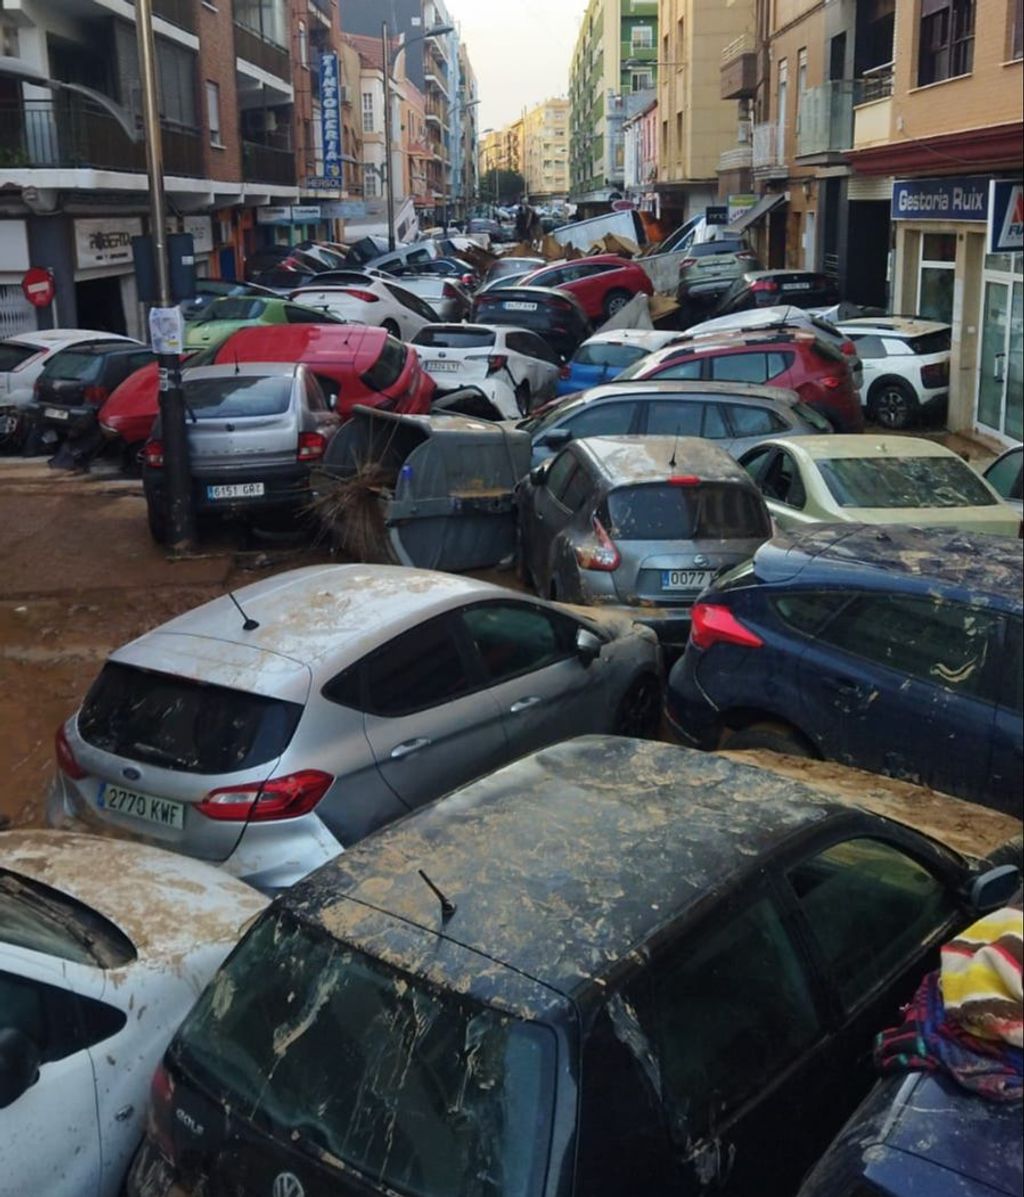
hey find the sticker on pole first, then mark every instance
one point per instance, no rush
(37, 285)
(167, 330)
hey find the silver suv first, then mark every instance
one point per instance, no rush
(637, 523)
(332, 699)
(255, 431)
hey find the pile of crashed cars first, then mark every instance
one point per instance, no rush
(531, 933)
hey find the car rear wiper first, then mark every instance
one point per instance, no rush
(161, 754)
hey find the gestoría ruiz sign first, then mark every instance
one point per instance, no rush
(941, 199)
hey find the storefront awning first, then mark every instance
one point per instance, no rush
(763, 206)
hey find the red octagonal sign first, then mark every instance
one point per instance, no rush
(37, 283)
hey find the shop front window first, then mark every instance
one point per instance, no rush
(938, 272)
(1001, 362)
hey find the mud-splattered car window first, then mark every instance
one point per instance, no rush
(903, 482)
(420, 1091)
(665, 512)
(183, 724)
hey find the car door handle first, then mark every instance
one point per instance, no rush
(524, 704)
(843, 685)
(408, 748)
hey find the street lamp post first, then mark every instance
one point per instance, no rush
(389, 59)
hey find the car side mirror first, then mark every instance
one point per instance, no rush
(994, 888)
(556, 438)
(19, 1064)
(539, 473)
(588, 646)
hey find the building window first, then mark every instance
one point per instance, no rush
(213, 112)
(780, 120)
(641, 80)
(303, 45)
(937, 275)
(641, 37)
(368, 112)
(946, 41)
(1016, 29)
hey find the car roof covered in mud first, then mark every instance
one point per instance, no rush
(975, 567)
(559, 865)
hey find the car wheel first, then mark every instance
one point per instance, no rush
(157, 524)
(614, 302)
(893, 404)
(775, 737)
(639, 713)
(523, 398)
(391, 327)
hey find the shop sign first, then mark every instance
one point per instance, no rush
(344, 210)
(330, 115)
(274, 214)
(305, 213)
(940, 199)
(1005, 216)
(106, 241)
(717, 214)
(738, 204)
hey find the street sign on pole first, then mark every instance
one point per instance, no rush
(38, 287)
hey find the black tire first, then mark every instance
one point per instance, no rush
(523, 398)
(771, 736)
(391, 327)
(1009, 852)
(32, 439)
(893, 404)
(614, 302)
(639, 713)
(157, 524)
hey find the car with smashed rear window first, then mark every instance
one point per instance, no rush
(614, 967)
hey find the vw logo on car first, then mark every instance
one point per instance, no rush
(287, 1184)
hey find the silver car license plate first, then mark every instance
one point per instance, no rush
(236, 490)
(685, 579)
(442, 367)
(517, 306)
(56, 413)
(142, 806)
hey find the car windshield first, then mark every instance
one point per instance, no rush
(387, 369)
(455, 338)
(73, 364)
(240, 307)
(244, 395)
(341, 1055)
(43, 919)
(903, 482)
(183, 724)
(608, 353)
(710, 511)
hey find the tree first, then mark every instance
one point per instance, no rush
(501, 186)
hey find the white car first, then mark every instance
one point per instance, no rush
(22, 358)
(457, 355)
(376, 301)
(104, 947)
(906, 367)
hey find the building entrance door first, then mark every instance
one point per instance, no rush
(1000, 401)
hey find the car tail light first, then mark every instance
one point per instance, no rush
(600, 555)
(935, 375)
(563, 305)
(564, 372)
(96, 395)
(764, 284)
(830, 381)
(365, 296)
(496, 362)
(153, 455)
(686, 263)
(311, 446)
(848, 348)
(66, 762)
(161, 1101)
(684, 480)
(261, 801)
(449, 292)
(467, 280)
(746, 255)
(711, 623)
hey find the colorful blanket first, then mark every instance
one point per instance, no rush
(981, 977)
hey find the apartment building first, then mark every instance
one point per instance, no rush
(640, 146)
(545, 151)
(613, 73)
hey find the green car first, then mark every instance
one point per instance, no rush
(874, 480)
(227, 315)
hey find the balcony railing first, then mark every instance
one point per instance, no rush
(767, 152)
(875, 84)
(67, 132)
(179, 12)
(744, 44)
(256, 49)
(826, 118)
(266, 164)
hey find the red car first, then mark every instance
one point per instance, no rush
(602, 284)
(355, 363)
(800, 361)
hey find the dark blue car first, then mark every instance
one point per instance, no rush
(922, 1135)
(897, 650)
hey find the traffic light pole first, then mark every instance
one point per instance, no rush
(177, 471)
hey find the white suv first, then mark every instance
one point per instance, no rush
(906, 367)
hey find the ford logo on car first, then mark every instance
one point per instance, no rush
(131, 773)
(287, 1184)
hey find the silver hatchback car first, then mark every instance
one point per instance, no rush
(343, 697)
(637, 523)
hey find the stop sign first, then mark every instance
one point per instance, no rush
(37, 284)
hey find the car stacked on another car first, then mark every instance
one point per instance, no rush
(603, 356)
(377, 301)
(602, 284)
(230, 313)
(767, 288)
(555, 314)
(612, 968)
(638, 525)
(708, 271)
(897, 650)
(877, 480)
(798, 360)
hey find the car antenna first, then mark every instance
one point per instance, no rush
(250, 625)
(448, 907)
(675, 446)
(238, 368)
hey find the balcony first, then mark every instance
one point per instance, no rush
(769, 150)
(740, 157)
(872, 115)
(269, 57)
(69, 133)
(266, 164)
(179, 12)
(738, 69)
(826, 119)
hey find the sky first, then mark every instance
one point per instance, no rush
(520, 51)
